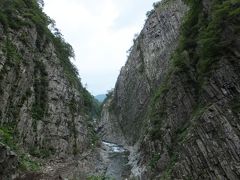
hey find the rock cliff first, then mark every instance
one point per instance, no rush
(146, 67)
(8, 163)
(176, 101)
(175, 106)
(108, 127)
(44, 110)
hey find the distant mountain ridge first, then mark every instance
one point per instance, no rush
(101, 97)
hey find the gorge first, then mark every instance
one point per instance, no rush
(173, 114)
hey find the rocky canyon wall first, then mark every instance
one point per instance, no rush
(177, 98)
(44, 109)
(146, 67)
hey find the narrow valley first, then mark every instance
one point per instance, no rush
(174, 113)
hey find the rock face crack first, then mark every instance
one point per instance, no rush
(173, 114)
(176, 101)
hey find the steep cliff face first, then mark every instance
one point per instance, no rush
(108, 127)
(42, 101)
(146, 66)
(176, 99)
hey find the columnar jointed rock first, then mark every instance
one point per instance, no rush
(182, 113)
(41, 97)
(108, 127)
(146, 67)
(36, 84)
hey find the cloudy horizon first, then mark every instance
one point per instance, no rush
(100, 33)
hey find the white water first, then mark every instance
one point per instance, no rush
(116, 157)
(114, 147)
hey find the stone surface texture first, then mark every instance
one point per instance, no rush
(46, 112)
(198, 135)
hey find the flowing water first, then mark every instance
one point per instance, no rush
(116, 157)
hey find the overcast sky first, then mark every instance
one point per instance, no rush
(100, 31)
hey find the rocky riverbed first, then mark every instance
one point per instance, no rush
(116, 159)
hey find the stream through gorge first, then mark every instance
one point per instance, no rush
(116, 158)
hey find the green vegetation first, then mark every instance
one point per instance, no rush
(149, 13)
(27, 13)
(206, 38)
(64, 52)
(21, 13)
(40, 152)
(29, 8)
(182, 132)
(161, 91)
(17, 15)
(156, 122)
(154, 160)
(88, 102)
(202, 44)
(141, 68)
(202, 40)
(73, 106)
(27, 164)
(21, 16)
(7, 138)
(158, 110)
(39, 106)
(94, 137)
(160, 5)
(12, 53)
(168, 172)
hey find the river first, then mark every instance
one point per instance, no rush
(116, 157)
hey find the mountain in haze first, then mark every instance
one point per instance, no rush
(101, 97)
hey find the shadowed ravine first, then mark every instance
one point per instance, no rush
(174, 112)
(116, 158)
